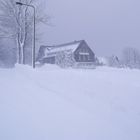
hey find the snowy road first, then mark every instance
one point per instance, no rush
(66, 104)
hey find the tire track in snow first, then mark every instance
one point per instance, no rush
(56, 93)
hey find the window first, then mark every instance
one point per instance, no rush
(88, 57)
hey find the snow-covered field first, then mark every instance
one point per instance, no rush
(50, 103)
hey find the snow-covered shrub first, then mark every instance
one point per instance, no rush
(65, 59)
(100, 61)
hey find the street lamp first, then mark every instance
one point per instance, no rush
(33, 48)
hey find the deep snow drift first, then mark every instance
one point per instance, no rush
(50, 103)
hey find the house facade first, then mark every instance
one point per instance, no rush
(74, 52)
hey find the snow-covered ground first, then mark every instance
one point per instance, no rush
(50, 103)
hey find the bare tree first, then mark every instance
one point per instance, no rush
(17, 22)
(131, 57)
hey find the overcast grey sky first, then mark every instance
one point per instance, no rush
(107, 25)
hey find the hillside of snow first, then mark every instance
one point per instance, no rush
(50, 103)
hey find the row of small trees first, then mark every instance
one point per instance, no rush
(130, 58)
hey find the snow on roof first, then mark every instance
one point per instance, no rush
(53, 50)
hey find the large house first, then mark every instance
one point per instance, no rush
(77, 51)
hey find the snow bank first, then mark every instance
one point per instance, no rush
(50, 103)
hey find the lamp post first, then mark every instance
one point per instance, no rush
(33, 48)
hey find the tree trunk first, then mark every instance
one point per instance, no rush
(22, 53)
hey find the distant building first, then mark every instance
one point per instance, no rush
(77, 51)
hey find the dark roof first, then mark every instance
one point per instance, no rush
(61, 45)
(57, 48)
